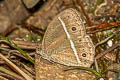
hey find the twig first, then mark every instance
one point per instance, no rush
(16, 52)
(84, 12)
(102, 27)
(107, 51)
(28, 69)
(22, 44)
(6, 43)
(103, 4)
(33, 28)
(24, 25)
(26, 44)
(105, 40)
(96, 66)
(10, 29)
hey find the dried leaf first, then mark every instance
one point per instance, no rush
(30, 3)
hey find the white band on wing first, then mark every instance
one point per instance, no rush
(69, 38)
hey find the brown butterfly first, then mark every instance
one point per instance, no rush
(66, 42)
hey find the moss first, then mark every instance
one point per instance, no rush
(117, 35)
(91, 10)
(39, 38)
(109, 32)
(98, 2)
(30, 37)
(99, 34)
(43, 28)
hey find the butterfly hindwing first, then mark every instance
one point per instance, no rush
(57, 47)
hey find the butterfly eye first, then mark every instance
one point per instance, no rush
(73, 28)
(84, 55)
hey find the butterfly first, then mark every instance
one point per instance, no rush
(66, 42)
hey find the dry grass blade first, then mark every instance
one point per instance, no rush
(2, 78)
(16, 68)
(10, 73)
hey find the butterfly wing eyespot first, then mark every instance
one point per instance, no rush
(84, 55)
(74, 29)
